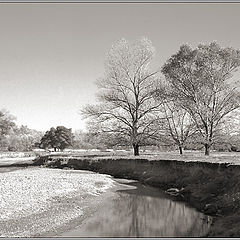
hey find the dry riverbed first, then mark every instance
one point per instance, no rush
(42, 202)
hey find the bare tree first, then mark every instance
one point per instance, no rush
(177, 124)
(202, 82)
(127, 106)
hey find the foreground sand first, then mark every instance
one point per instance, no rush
(42, 202)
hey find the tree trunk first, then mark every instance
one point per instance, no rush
(180, 150)
(136, 149)
(207, 148)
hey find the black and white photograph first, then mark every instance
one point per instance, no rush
(119, 119)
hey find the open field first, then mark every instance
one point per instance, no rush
(215, 157)
(16, 158)
(16, 161)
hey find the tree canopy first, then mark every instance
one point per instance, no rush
(127, 106)
(57, 138)
(202, 82)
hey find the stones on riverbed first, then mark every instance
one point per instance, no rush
(173, 191)
(210, 209)
(176, 193)
(67, 168)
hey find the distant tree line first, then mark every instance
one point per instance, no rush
(16, 138)
(174, 133)
(22, 138)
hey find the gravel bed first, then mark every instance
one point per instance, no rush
(38, 200)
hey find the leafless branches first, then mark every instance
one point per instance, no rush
(126, 92)
(200, 83)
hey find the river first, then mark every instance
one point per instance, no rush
(142, 211)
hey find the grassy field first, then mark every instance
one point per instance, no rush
(9, 158)
(215, 157)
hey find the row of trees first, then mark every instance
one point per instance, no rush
(21, 138)
(192, 95)
(16, 138)
(190, 100)
(25, 139)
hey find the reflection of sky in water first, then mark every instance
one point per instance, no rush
(144, 212)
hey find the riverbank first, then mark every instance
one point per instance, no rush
(37, 202)
(48, 202)
(212, 188)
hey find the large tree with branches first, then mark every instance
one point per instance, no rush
(202, 81)
(127, 106)
(177, 124)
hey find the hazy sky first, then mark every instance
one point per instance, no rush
(52, 54)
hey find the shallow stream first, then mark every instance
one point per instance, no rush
(142, 211)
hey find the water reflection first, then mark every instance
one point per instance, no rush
(144, 212)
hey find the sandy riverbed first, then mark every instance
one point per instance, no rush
(41, 202)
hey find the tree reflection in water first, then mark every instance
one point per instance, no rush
(144, 212)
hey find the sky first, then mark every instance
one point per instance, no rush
(51, 54)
